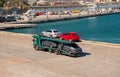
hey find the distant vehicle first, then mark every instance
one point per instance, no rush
(2, 19)
(18, 17)
(51, 13)
(70, 36)
(10, 18)
(38, 13)
(75, 11)
(51, 33)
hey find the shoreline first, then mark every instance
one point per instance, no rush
(54, 18)
(15, 25)
(43, 19)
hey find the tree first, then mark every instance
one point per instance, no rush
(2, 2)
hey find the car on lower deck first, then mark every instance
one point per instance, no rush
(73, 49)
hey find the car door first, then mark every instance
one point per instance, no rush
(48, 33)
(66, 48)
(67, 36)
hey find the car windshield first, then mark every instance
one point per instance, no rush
(75, 34)
(55, 31)
(49, 31)
(73, 45)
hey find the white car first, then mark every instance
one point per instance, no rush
(51, 33)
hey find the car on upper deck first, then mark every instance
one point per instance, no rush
(70, 36)
(51, 33)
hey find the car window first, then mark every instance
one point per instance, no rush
(75, 34)
(55, 31)
(49, 31)
(66, 47)
(74, 45)
(49, 43)
(67, 34)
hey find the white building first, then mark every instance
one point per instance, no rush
(45, 1)
(107, 1)
(31, 2)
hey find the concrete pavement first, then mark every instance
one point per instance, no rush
(7, 25)
(19, 59)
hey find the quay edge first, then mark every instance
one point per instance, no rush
(5, 26)
(53, 19)
(33, 23)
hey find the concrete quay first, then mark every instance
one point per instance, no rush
(19, 59)
(4, 26)
(52, 18)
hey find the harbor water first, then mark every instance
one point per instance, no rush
(101, 28)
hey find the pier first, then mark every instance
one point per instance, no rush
(19, 59)
(4, 26)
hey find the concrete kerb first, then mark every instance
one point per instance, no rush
(102, 43)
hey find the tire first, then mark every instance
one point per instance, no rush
(50, 49)
(36, 47)
(33, 39)
(72, 55)
(57, 52)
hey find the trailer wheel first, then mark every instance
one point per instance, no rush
(57, 52)
(50, 49)
(72, 55)
(36, 47)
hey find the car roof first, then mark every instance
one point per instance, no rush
(71, 32)
(53, 29)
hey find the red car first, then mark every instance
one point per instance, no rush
(70, 36)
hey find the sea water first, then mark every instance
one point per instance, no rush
(100, 28)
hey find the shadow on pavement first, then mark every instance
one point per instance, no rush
(83, 54)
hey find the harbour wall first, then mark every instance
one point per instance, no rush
(44, 19)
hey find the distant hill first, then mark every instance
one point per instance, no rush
(13, 2)
(14, 5)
